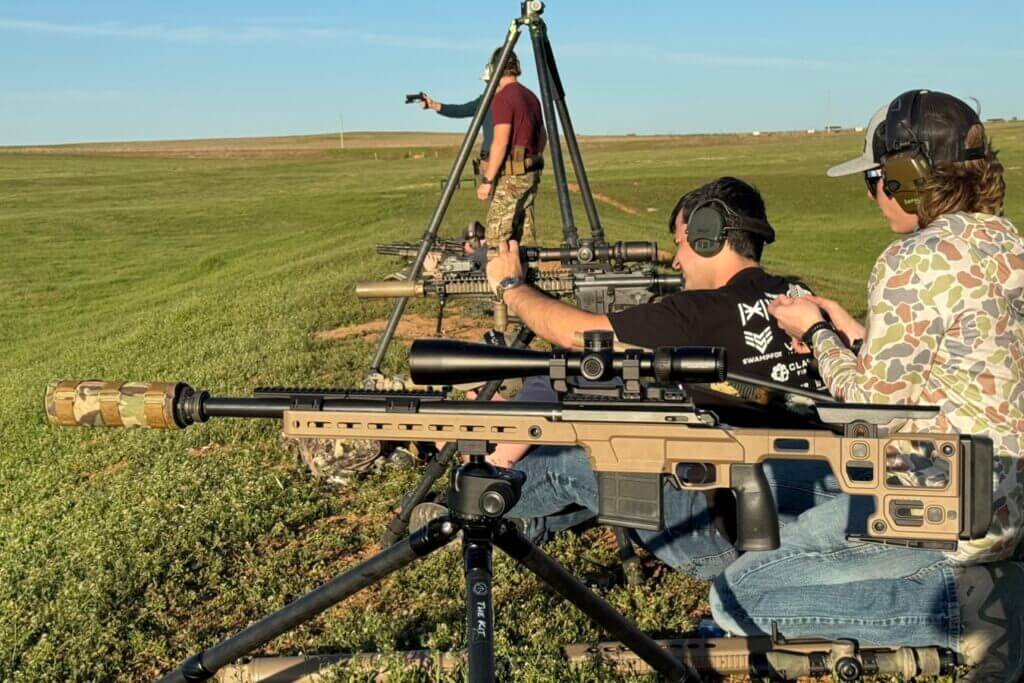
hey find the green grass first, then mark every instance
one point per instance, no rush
(121, 553)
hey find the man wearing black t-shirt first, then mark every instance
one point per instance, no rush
(724, 304)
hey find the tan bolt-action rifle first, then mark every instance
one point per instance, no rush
(635, 439)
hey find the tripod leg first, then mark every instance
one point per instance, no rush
(204, 665)
(477, 552)
(438, 464)
(554, 147)
(446, 197)
(571, 143)
(518, 547)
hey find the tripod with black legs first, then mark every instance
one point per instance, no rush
(479, 495)
(552, 97)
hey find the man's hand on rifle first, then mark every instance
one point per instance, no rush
(431, 262)
(504, 264)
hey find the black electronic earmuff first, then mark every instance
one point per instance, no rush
(708, 223)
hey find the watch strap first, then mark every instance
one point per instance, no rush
(808, 336)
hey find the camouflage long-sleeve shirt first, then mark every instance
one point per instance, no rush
(945, 327)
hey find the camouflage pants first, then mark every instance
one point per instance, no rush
(511, 212)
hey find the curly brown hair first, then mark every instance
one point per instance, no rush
(975, 186)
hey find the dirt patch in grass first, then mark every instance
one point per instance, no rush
(208, 449)
(605, 199)
(412, 326)
(116, 468)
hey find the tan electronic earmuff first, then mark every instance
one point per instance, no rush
(904, 176)
(708, 223)
(908, 163)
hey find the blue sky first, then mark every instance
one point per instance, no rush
(95, 70)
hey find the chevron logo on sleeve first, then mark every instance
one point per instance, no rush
(760, 341)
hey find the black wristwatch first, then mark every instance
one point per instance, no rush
(808, 336)
(486, 181)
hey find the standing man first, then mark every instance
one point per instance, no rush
(514, 164)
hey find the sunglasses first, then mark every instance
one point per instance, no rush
(871, 177)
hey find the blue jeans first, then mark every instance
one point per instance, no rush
(558, 478)
(818, 584)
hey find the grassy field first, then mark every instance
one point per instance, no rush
(121, 553)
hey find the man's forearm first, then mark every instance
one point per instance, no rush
(549, 318)
(495, 158)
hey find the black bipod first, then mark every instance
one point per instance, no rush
(479, 496)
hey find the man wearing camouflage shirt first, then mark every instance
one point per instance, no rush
(945, 327)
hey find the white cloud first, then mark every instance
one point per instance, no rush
(241, 34)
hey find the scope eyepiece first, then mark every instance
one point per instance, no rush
(690, 364)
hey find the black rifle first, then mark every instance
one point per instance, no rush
(597, 291)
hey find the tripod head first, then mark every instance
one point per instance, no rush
(480, 491)
(531, 8)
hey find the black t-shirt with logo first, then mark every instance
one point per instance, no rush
(734, 316)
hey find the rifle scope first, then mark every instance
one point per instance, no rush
(586, 252)
(449, 361)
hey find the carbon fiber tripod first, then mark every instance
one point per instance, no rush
(479, 495)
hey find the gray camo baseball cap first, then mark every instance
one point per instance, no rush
(866, 161)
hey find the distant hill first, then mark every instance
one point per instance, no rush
(315, 145)
(322, 144)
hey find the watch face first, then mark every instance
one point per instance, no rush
(509, 282)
